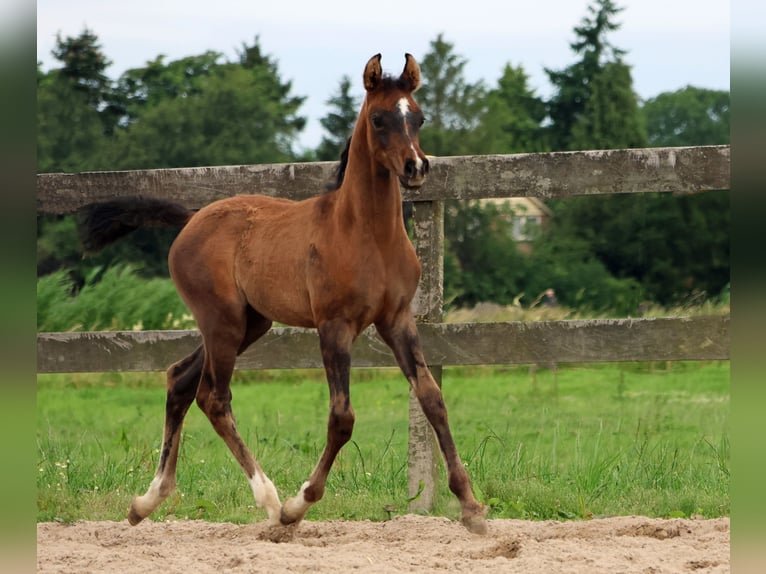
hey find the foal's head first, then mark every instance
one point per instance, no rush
(393, 121)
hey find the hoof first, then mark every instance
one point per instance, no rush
(475, 523)
(286, 520)
(133, 517)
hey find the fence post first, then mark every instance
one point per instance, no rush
(423, 454)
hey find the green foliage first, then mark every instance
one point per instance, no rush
(689, 116)
(580, 279)
(69, 130)
(514, 116)
(158, 81)
(484, 263)
(84, 64)
(610, 117)
(574, 442)
(675, 248)
(197, 111)
(453, 107)
(57, 244)
(189, 112)
(339, 122)
(119, 300)
(594, 106)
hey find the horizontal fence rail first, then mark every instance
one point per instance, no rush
(580, 341)
(680, 170)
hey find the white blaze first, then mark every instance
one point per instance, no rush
(404, 108)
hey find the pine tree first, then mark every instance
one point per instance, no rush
(84, 71)
(453, 107)
(339, 121)
(514, 116)
(77, 106)
(594, 105)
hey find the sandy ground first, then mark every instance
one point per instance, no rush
(405, 544)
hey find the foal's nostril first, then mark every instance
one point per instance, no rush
(425, 165)
(410, 168)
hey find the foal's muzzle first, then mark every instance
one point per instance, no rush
(414, 176)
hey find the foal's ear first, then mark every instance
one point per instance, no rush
(411, 74)
(372, 73)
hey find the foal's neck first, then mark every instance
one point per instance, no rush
(369, 196)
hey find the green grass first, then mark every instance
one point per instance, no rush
(118, 299)
(576, 442)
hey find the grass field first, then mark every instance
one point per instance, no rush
(566, 443)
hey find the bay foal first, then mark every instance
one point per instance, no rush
(338, 262)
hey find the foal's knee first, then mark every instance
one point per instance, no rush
(341, 425)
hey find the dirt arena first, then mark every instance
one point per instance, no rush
(405, 544)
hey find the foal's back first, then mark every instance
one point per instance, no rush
(292, 262)
(247, 250)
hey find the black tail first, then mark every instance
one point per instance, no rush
(103, 223)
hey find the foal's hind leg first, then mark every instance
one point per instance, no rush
(182, 381)
(223, 342)
(402, 336)
(335, 339)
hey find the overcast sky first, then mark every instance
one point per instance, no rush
(670, 43)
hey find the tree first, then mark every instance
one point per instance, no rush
(695, 116)
(513, 119)
(339, 121)
(76, 106)
(83, 64)
(158, 81)
(198, 111)
(689, 116)
(482, 262)
(190, 112)
(69, 130)
(566, 262)
(84, 68)
(674, 248)
(610, 118)
(452, 106)
(594, 105)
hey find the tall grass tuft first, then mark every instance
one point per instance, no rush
(118, 300)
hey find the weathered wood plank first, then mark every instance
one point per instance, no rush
(678, 170)
(583, 341)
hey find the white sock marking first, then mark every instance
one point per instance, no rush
(266, 495)
(297, 506)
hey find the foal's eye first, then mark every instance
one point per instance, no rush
(377, 122)
(422, 121)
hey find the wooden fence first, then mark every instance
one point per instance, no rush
(682, 170)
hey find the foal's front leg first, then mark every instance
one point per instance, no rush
(335, 339)
(402, 336)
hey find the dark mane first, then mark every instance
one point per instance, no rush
(340, 172)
